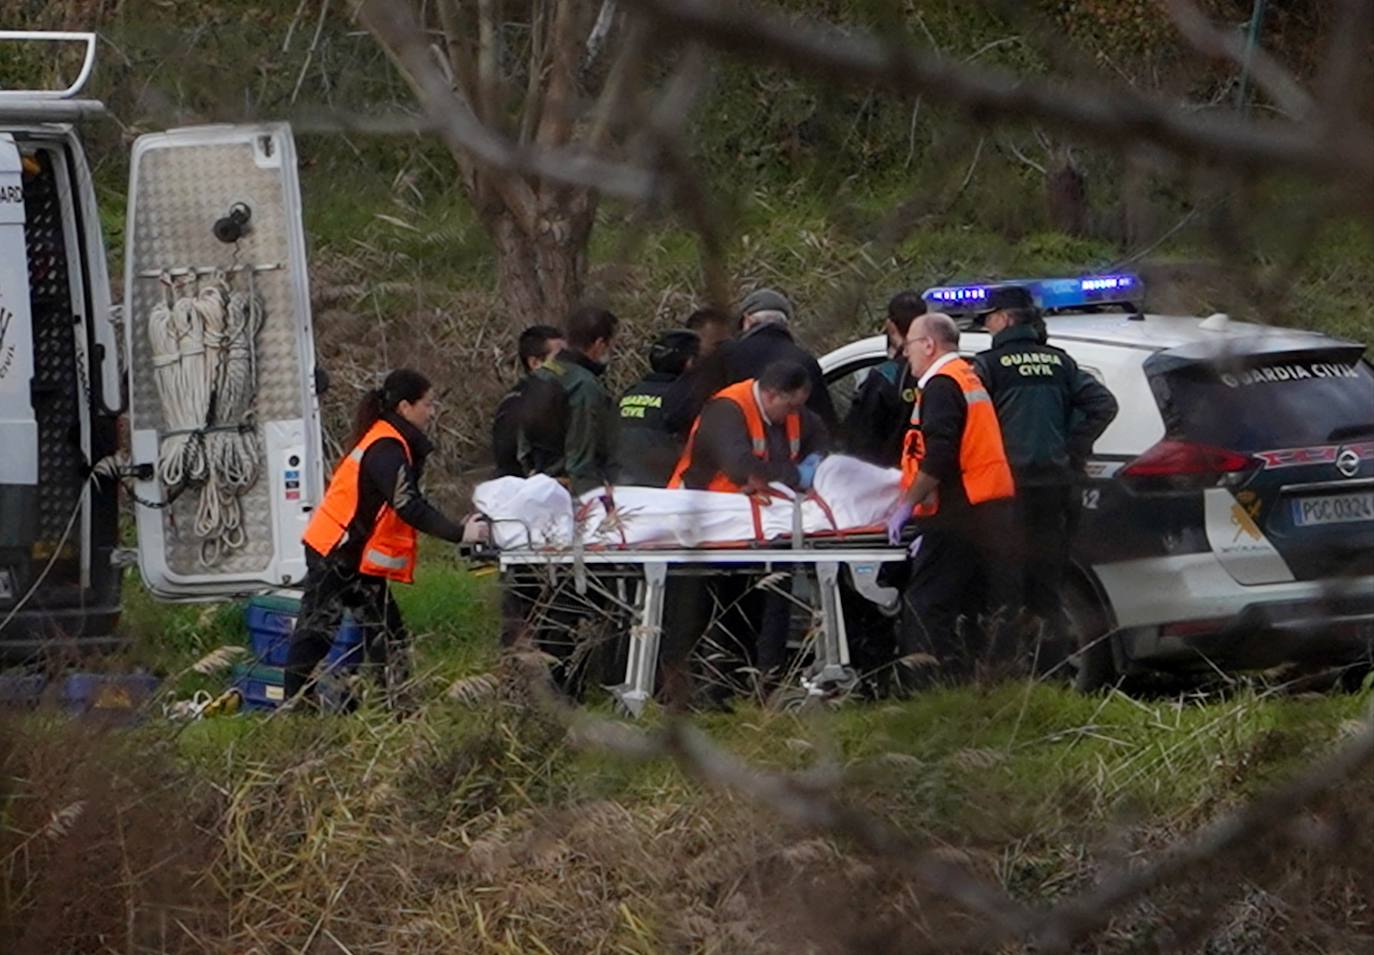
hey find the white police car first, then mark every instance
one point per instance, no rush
(1228, 514)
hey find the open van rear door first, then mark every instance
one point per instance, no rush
(223, 415)
(18, 426)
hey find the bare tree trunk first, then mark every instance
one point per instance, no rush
(517, 274)
(541, 278)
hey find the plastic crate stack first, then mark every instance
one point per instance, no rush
(271, 618)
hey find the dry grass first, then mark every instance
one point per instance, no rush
(487, 828)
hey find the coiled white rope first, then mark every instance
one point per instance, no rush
(204, 345)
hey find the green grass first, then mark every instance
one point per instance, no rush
(1015, 761)
(449, 611)
(1026, 756)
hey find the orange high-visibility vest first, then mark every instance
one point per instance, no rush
(742, 394)
(982, 459)
(390, 550)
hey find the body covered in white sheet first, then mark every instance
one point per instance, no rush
(539, 512)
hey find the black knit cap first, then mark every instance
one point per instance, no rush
(673, 349)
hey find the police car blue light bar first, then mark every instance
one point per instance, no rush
(963, 297)
(1049, 294)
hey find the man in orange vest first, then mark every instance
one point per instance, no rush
(958, 485)
(751, 434)
(754, 433)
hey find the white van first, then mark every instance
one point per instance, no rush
(222, 419)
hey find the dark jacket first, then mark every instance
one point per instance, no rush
(505, 432)
(567, 422)
(879, 414)
(648, 450)
(722, 443)
(745, 357)
(385, 477)
(1050, 410)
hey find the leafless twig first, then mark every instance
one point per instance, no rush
(1271, 813)
(601, 29)
(454, 120)
(1113, 117)
(807, 803)
(310, 53)
(1268, 73)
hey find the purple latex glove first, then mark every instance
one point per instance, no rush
(896, 521)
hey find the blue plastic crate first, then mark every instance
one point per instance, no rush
(271, 618)
(21, 689)
(262, 686)
(346, 652)
(82, 692)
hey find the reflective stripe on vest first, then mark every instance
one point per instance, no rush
(384, 560)
(391, 547)
(742, 394)
(983, 463)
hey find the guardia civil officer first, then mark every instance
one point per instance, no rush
(363, 536)
(957, 487)
(1051, 412)
(648, 450)
(877, 419)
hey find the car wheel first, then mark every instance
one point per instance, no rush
(1087, 625)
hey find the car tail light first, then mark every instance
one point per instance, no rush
(1187, 464)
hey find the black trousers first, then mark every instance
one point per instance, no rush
(331, 586)
(1047, 520)
(1049, 516)
(747, 626)
(581, 632)
(966, 568)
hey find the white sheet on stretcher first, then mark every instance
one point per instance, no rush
(539, 511)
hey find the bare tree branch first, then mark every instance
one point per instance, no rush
(621, 81)
(1270, 813)
(556, 120)
(1110, 117)
(1268, 73)
(489, 85)
(1026, 160)
(809, 803)
(665, 125)
(466, 137)
(460, 62)
(534, 83)
(601, 29)
(1346, 57)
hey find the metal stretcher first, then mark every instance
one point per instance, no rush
(646, 568)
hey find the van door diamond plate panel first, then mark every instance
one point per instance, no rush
(181, 192)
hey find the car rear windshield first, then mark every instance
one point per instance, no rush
(1277, 401)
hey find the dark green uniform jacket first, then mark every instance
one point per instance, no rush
(648, 450)
(1050, 410)
(568, 426)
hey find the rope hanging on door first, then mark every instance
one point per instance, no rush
(204, 344)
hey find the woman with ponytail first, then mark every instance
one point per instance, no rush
(364, 534)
